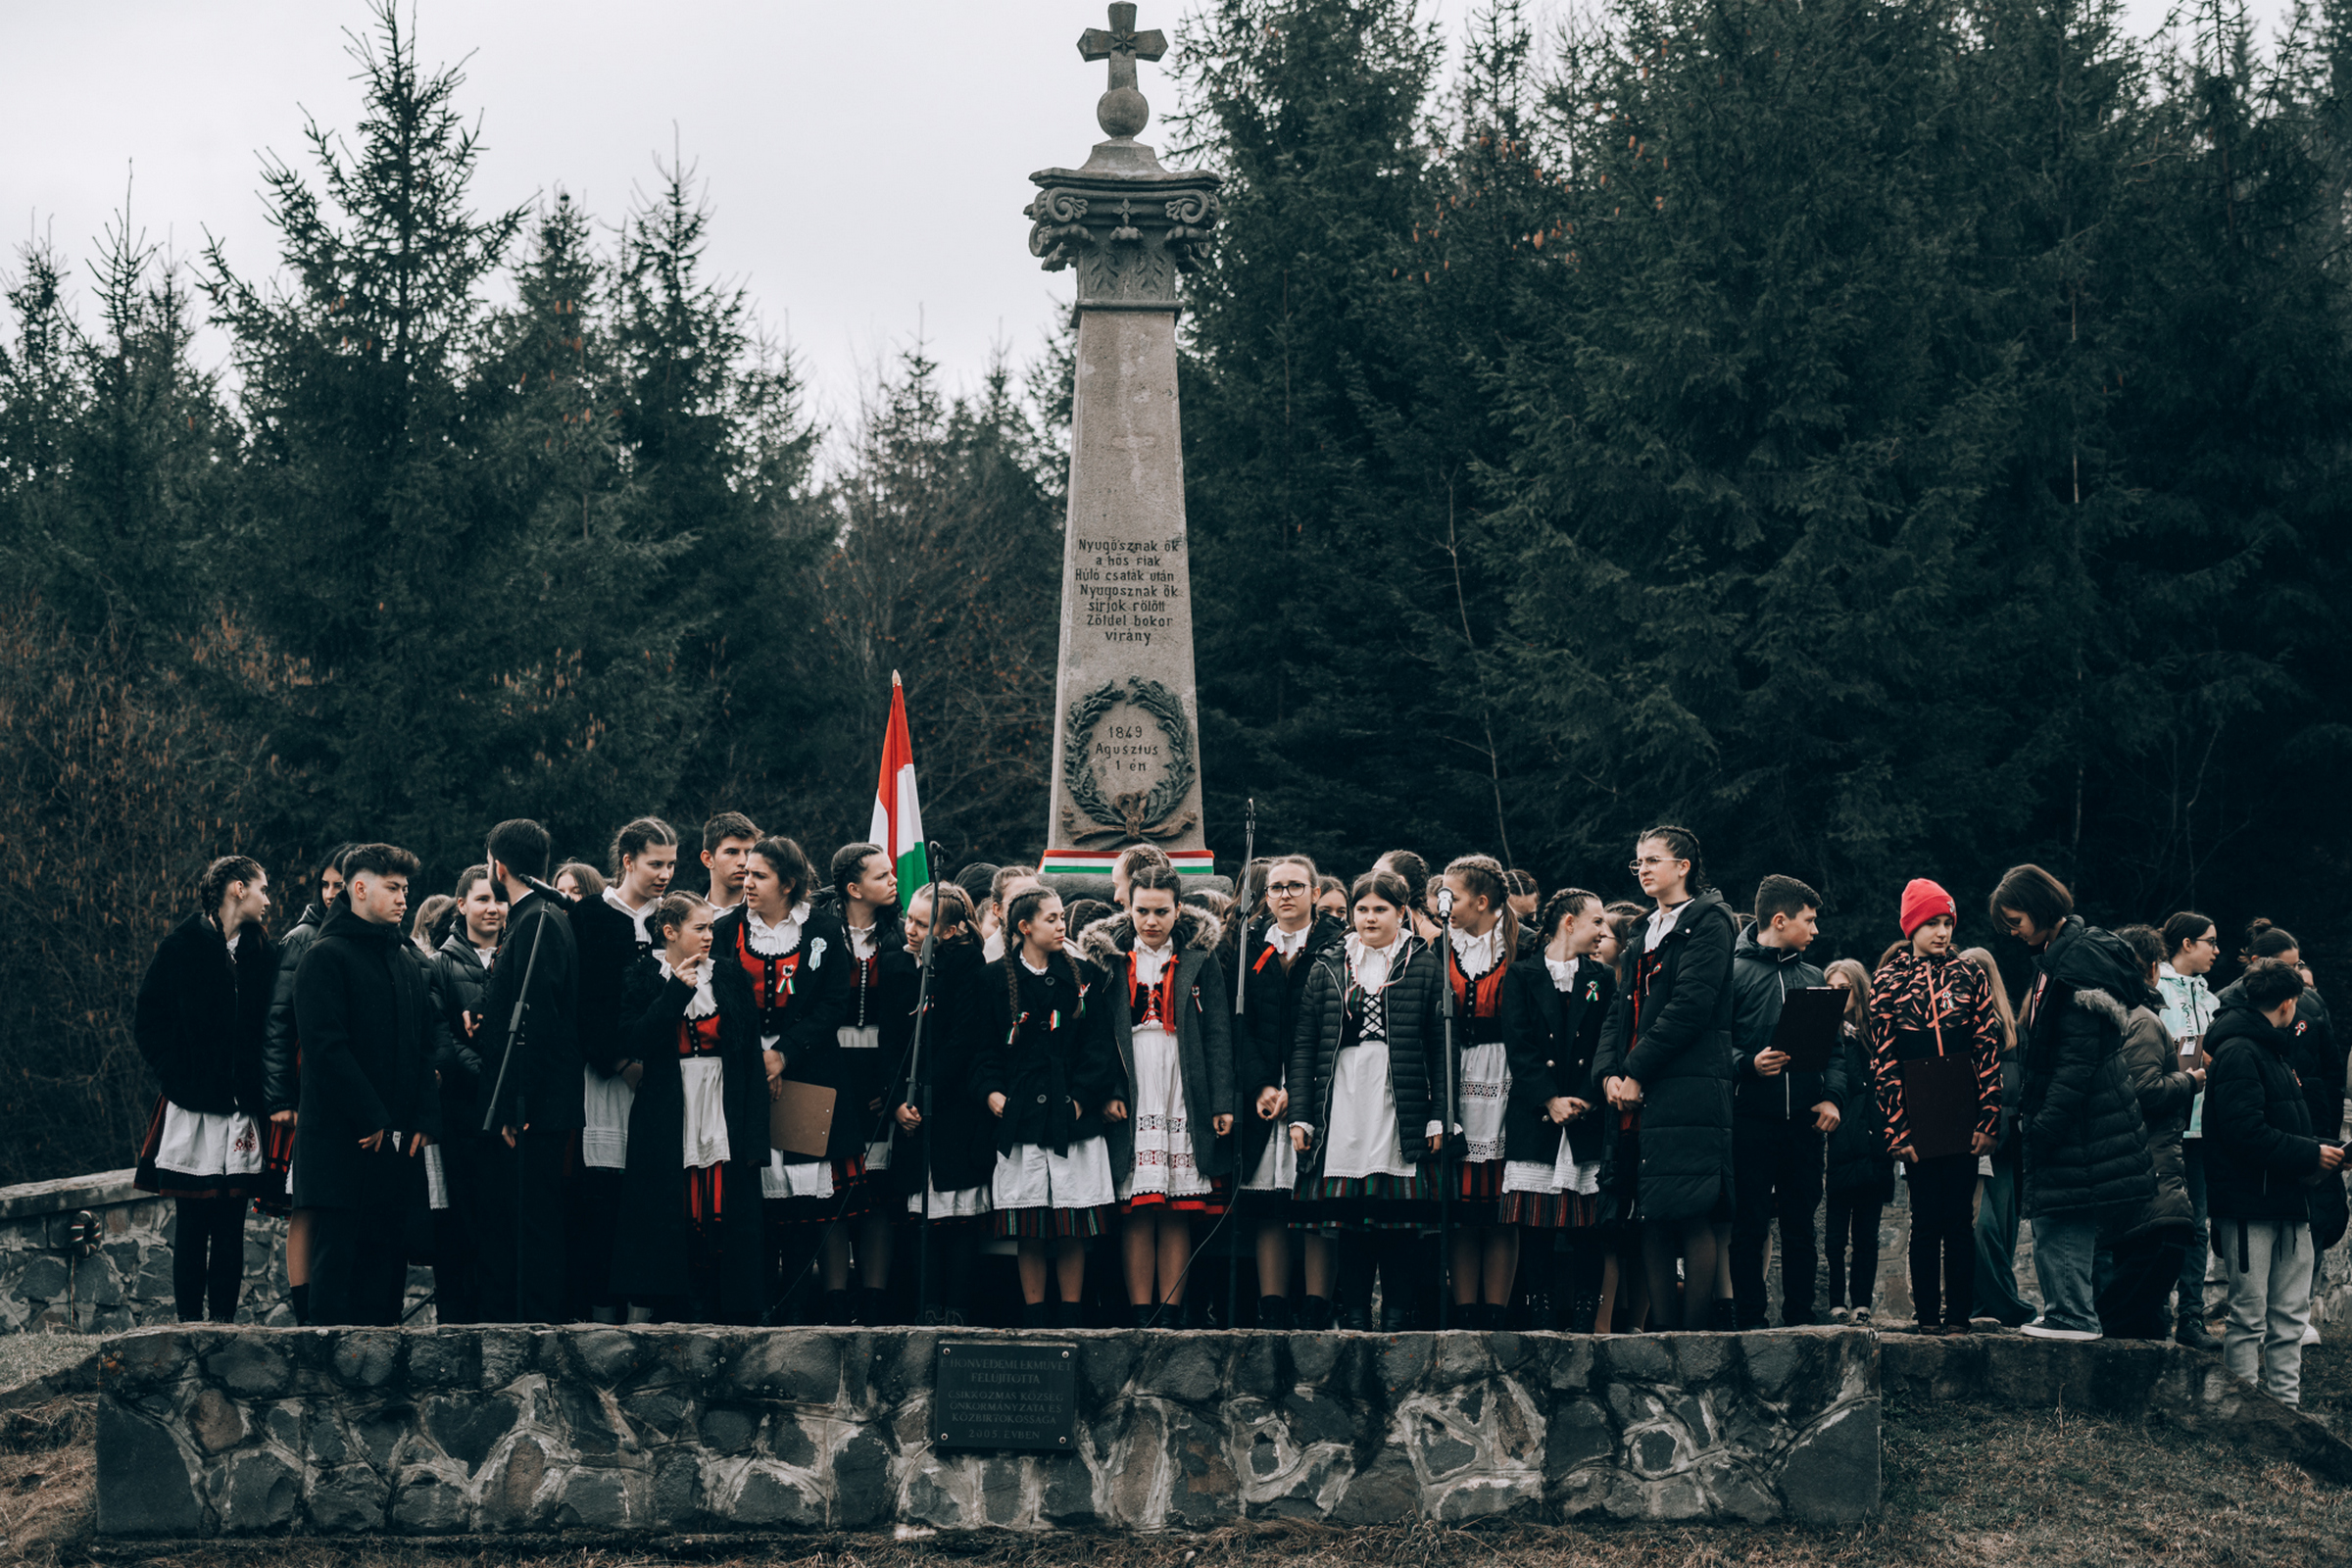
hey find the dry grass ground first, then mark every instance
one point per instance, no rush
(1966, 1486)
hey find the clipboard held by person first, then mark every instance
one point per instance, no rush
(800, 1119)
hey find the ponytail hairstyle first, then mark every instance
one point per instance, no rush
(633, 838)
(951, 909)
(847, 861)
(1626, 919)
(1024, 906)
(1857, 993)
(211, 888)
(1683, 845)
(1414, 872)
(1484, 877)
(1565, 905)
(1999, 988)
(672, 910)
(2181, 929)
(1157, 874)
(791, 864)
(2265, 940)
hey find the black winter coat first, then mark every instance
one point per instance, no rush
(1412, 997)
(2153, 1063)
(1674, 1038)
(1761, 979)
(2260, 1155)
(543, 1081)
(281, 1055)
(366, 1024)
(201, 1014)
(454, 981)
(651, 1232)
(2086, 1147)
(1858, 1161)
(1052, 1049)
(805, 1024)
(1265, 1032)
(963, 1135)
(610, 953)
(1561, 1066)
(1204, 1032)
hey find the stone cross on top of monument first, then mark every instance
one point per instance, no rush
(1122, 112)
(1126, 724)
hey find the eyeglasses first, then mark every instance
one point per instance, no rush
(1647, 861)
(1286, 890)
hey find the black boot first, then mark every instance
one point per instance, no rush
(297, 1297)
(873, 1306)
(1581, 1313)
(1393, 1318)
(1315, 1314)
(2193, 1332)
(1357, 1319)
(1036, 1315)
(1274, 1312)
(838, 1310)
(1069, 1315)
(1146, 1315)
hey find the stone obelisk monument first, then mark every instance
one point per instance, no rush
(1126, 732)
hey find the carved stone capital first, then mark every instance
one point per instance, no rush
(1128, 234)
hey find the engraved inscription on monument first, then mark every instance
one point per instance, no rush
(1005, 1394)
(1127, 588)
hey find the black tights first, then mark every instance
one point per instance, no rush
(1695, 1240)
(207, 1256)
(1392, 1252)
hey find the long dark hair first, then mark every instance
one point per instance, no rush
(791, 864)
(1024, 906)
(889, 918)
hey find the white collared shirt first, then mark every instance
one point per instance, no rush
(1289, 944)
(637, 918)
(1476, 954)
(774, 941)
(1152, 963)
(1369, 966)
(1661, 921)
(703, 1004)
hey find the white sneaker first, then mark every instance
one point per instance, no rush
(2038, 1330)
(2311, 1334)
(1838, 1314)
(1862, 1314)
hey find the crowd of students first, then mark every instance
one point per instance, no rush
(1408, 1101)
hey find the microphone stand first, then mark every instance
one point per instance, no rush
(506, 1059)
(1445, 1169)
(918, 1083)
(1241, 1022)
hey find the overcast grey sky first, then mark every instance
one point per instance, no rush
(867, 163)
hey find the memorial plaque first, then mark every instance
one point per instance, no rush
(1005, 1394)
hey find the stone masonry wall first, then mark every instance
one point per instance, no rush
(46, 1286)
(205, 1432)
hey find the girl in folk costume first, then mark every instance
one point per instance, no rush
(1045, 1068)
(1552, 1134)
(1860, 1179)
(1925, 1003)
(688, 1242)
(961, 1149)
(794, 958)
(856, 1063)
(1665, 1062)
(1279, 950)
(1501, 1009)
(1361, 1117)
(1168, 1019)
(199, 1020)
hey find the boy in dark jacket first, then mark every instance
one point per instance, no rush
(2260, 1162)
(1779, 1117)
(368, 1101)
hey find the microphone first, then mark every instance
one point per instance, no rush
(1444, 903)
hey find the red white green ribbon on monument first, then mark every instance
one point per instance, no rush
(1098, 862)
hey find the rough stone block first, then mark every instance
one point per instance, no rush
(44, 1279)
(597, 1499)
(366, 1359)
(803, 1368)
(427, 1505)
(607, 1357)
(346, 1498)
(1383, 1493)
(218, 1425)
(677, 1492)
(775, 1497)
(1830, 1475)
(862, 1489)
(250, 1367)
(727, 1430)
(1187, 1367)
(467, 1427)
(447, 1358)
(263, 1494)
(1405, 1359)
(144, 1485)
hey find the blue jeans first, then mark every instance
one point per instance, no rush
(2063, 1250)
(2192, 1267)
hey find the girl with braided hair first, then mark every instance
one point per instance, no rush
(1044, 1065)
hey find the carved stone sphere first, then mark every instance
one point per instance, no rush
(1122, 112)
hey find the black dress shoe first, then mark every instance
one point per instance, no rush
(2193, 1332)
(1274, 1312)
(1357, 1319)
(1393, 1318)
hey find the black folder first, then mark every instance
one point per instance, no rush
(1808, 1027)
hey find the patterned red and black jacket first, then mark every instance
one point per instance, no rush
(1949, 997)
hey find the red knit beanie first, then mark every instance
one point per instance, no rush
(1924, 901)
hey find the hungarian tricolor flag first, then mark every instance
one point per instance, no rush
(898, 815)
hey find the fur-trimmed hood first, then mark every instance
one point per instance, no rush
(1110, 938)
(2105, 1006)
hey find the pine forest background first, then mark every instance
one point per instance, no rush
(1893, 437)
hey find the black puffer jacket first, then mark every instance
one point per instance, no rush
(1264, 1031)
(455, 980)
(2086, 1147)
(199, 1016)
(2165, 1094)
(1561, 1064)
(1674, 1038)
(1761, 979)
(1858, 1161)
(281, 1057)
(1412, 997)
(2260, 1156)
